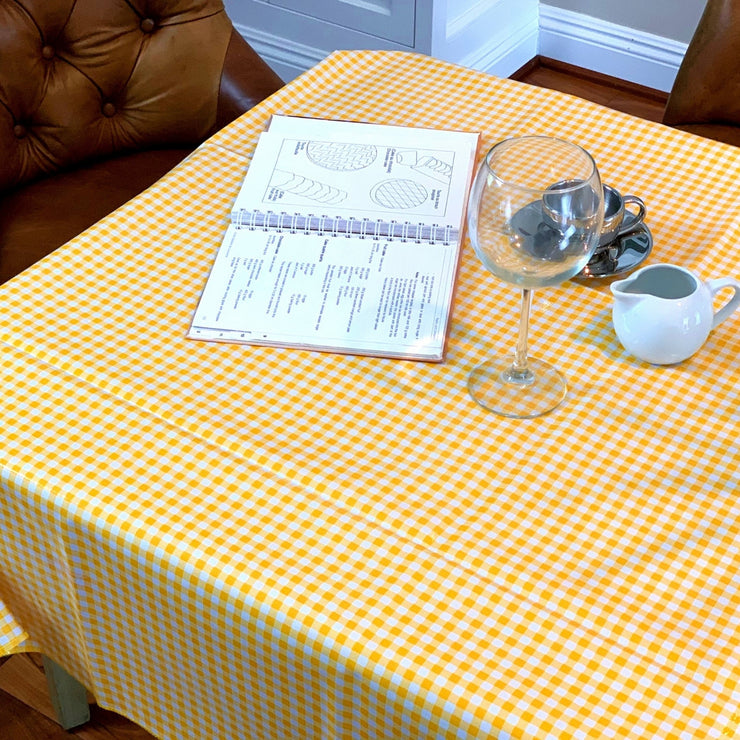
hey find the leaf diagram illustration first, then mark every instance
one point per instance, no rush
(290, 182)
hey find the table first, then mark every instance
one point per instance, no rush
(224, 541)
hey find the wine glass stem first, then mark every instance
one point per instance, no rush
(520, 372)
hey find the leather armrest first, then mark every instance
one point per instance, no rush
(245, 81)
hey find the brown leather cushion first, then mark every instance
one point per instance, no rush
(705, 98)
(84, 79)
(41, 216)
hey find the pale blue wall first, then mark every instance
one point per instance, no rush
(672, 19)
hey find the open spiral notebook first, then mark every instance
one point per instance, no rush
(344, 237)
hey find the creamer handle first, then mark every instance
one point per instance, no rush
(714, 287)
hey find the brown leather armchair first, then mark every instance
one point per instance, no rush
(99, 99)
(705, 98)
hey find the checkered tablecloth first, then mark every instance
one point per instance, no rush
(224, 541)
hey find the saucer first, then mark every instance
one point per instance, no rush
(542, 241)
(623, 255)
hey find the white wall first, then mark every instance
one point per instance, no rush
(642, 41)
(498, 36)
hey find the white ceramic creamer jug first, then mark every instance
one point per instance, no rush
(664, 313)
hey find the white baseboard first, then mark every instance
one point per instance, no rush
(507, 58)
(575, 38)
(494, 36)
(287, 58)
(504, 56)
(608, 48)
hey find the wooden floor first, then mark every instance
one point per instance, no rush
(25, 708)
(627, 97)
(26, 712)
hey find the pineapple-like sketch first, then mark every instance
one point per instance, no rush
(336, 156)
(399, 194)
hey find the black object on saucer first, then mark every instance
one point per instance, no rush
(542, 241)
(624, 254)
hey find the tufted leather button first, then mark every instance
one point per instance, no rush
(109, 110)
(19, 130)
(147, 25)
(47, 51)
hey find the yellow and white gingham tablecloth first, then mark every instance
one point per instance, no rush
(226, 541)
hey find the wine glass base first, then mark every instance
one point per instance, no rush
(495, 386)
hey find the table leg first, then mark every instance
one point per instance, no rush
(68, 696)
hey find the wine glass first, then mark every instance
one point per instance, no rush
(534, 218)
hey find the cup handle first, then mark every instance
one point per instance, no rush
(714, 287)
(637, 218)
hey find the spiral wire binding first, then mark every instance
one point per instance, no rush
(337, 226)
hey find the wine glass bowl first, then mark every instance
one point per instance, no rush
(534, 218)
